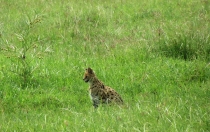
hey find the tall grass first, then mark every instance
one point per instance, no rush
(188, 46)
(154, 53)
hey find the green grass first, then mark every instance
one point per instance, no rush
(154, 53)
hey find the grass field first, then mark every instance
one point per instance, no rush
(155, 53)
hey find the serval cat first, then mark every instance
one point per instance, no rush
(100, 93)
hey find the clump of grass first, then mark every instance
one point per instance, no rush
(187, 47)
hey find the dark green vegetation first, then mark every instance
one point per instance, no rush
(156, 54)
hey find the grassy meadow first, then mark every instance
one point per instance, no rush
(155, 53)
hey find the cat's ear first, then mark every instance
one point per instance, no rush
(90, 70)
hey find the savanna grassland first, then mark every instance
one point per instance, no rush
(155, 53)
